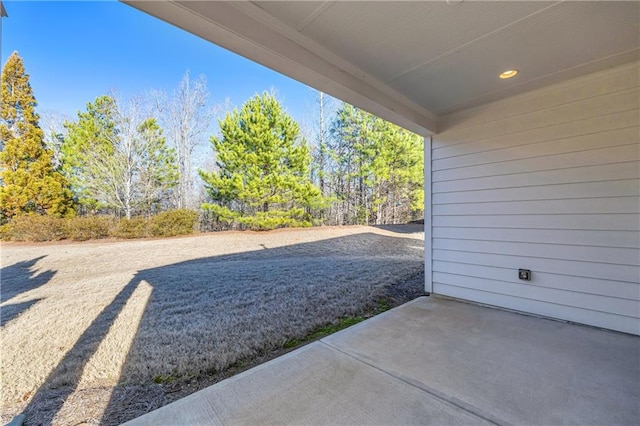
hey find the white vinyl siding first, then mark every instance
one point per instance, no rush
(548, 181)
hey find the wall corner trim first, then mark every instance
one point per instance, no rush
(428, 208)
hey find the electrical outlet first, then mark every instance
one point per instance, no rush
(524, 274)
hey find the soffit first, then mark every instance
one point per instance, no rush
(411, 62)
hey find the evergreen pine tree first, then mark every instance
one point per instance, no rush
(262, 179)
(30, 183)
(376, 171)
(87, 150)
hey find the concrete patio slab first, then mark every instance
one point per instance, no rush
(433, 361)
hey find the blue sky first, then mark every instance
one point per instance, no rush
(76, 51)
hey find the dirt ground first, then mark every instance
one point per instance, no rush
(103, 331)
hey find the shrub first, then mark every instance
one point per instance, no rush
(34, 228)
(90, 227)
(174, 222)
(136, 227)
(48, 228)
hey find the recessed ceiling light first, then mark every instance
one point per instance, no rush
(508, 74)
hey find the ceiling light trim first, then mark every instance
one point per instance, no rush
(508, 74)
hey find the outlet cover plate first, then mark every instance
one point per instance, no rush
(524, 274)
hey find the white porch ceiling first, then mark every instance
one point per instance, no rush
(412, 62)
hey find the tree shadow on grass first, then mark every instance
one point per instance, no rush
(21, 277)
(12, 311)
(51, 396)
(210, 314)
(206, 315)
(17, 279)
(404, 228)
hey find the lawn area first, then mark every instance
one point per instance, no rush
(100, 332)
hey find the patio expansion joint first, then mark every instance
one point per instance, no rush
(447, 399)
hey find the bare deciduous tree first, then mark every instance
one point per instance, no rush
(187, 120)
(320, 169)
(52, 124)
(116, 157)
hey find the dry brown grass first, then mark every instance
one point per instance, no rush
(88, 326)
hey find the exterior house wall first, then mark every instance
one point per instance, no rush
(548, 181)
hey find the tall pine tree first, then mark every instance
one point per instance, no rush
(86, 153)
(376, 170)
(30, 183)
(262, 179)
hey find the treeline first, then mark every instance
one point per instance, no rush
(371, 169)
(135, 158)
